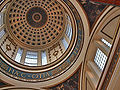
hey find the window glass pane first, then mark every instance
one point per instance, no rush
(65, 43)
(100, 59)
(1, 19)
(1, 1)
(70, 34)
(106, 42)
(31, 55)
(2, 33)
(5, 7)
(19, 55)
(69, 31)
(68, 18)
(44, 58)
(31, 58)
(68, 28)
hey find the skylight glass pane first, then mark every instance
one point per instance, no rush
(65, 43)
(1, 19)
(2, 32)
(44, 58)
(19, 55)
(106, 42)
(31, 58)
(100, 59)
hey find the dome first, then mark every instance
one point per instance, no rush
(40, 30)
(36, 24)
(41, 38)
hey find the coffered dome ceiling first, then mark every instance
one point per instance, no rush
(36, 23)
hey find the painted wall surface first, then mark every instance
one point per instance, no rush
(70, 84)
(92, 9)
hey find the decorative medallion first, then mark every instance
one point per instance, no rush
(55, 53)
(8, 47)
(37, 17)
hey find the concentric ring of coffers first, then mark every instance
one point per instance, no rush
(36, 24)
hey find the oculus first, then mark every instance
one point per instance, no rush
(36, 17)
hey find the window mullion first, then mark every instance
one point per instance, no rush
(103, 47)
(39, 58)
(23, 56)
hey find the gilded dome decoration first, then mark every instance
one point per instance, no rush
(36, 24)
(36, 17)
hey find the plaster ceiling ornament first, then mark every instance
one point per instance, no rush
(55, 53)
(8, 47)
(36, 17)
